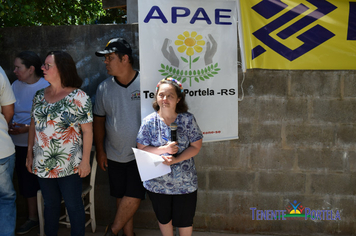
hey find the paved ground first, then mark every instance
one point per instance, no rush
(63, 231)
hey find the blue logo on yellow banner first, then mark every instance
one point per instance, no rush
(351, 34)
(299, 34)
(311, 38)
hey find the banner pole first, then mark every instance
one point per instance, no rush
(241, 38)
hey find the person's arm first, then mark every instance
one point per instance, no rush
(8, 112)
(31, 142)
(170, 147)
(188, 153)
(16, 128)
(99, 135)
(84, 166)
(7, 97)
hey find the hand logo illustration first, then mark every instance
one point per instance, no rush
(170, 56)
(190, 44)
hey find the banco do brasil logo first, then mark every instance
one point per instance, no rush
(296, 26)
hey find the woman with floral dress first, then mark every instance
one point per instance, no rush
(60, 140)
(173, 195)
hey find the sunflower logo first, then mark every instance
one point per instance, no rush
(192, 44)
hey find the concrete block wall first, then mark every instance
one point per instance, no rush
(296, 141)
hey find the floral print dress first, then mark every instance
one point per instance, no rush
(58, 146)
(154, 132)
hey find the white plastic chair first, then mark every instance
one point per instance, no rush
(89, 207)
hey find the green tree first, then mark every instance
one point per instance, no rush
(57, 12)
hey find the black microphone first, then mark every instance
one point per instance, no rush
(174, 137)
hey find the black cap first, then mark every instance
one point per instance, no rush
(115, 45)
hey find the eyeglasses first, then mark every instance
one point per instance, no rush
(46, 66)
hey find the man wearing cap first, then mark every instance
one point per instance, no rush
(117, 120)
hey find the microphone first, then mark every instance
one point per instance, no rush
(174, 137)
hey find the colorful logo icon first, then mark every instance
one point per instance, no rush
(295, 209)
(191, 48)
(135, 95)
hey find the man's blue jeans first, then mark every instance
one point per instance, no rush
(7, 197)
(70, 188)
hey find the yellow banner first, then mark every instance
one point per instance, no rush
(299, 34)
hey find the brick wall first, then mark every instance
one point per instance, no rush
(296, 141)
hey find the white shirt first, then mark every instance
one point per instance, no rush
(7, 97)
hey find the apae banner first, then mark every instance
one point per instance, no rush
(194, 42)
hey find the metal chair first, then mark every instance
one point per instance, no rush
(89, 207)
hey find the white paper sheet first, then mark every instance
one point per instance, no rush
(150, 165)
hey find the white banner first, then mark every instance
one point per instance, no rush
(195, 42)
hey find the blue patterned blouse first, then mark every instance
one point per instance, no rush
(154, 132)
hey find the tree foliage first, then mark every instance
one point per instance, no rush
(56, 12)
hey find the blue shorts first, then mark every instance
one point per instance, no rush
(124, 180)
